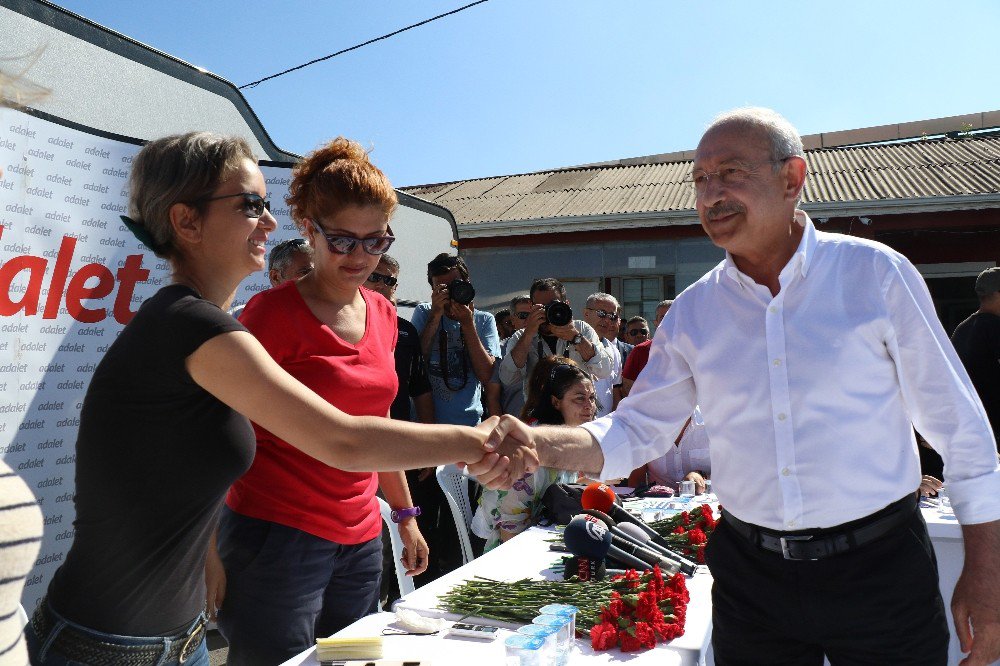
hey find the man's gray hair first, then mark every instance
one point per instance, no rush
(601, 296)
(781, 134)
(666, 303)
(517, 300)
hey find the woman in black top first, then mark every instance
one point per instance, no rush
(164, 427)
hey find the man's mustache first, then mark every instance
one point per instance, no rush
(723, 209)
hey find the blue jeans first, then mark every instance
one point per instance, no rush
(42, 652)
(285, 587)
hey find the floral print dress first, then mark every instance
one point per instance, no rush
(517, 509)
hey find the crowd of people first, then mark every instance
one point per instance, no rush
(236, 468)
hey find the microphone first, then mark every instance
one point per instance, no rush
(600, 501)
(621, 540)
(667, 559)
(589, 538)
(584, 569)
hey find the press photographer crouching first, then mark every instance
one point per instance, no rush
(550, 330)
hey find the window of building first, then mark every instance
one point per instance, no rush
(639, 295)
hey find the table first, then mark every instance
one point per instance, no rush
(525, 556)
(949, 548)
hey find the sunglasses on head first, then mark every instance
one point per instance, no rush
(638, 331)
(375, 278)
(613, 316)
(254, 205)
(346, 244)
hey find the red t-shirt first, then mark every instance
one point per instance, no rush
(636, 360)
(285, 485)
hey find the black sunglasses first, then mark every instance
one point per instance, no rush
(638, 331)
(346, 244)
(375, 278)
(254, 205)
(613, 316)
(521, 315)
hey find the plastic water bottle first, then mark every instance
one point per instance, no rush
(944, 502)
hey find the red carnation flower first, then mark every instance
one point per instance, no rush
(603, 636)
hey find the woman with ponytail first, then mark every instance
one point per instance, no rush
(300, 542)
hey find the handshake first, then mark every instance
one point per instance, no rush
(512, 449)
(509, 452)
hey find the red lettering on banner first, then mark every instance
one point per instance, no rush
(130, 274)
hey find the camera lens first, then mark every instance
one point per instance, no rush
(558, 313)
(461, 291)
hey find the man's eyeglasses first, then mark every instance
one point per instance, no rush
(375, 278)
(728, 176)
(346, 244)
(254, 205)
(638, 331)
(613, 316)
(521, 315)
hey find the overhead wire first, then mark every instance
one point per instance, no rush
(254, 84)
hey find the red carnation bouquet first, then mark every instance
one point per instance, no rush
(643, 610)
(687, 532)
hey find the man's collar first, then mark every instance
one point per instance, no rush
(800, 260)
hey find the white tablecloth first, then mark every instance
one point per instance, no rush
(525, 556)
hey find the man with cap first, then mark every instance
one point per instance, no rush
(977, 341)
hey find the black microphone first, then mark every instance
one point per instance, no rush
(583, 568)
(667, 559)
(588, 537)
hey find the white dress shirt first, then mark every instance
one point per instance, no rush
(689, 455)
(605, 387)
(599, 365)
(809, 396)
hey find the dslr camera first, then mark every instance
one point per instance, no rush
(558, 313)
(461, 291)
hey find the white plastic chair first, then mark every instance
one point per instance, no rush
(455, 484)
(405, 582)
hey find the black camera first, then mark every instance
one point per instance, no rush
(461, 291)
(558, 313)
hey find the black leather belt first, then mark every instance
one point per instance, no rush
(84, 648)
(826, 542)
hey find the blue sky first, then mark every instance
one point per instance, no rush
(513, 86)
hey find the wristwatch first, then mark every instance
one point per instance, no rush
(399, 515)
(577, 339)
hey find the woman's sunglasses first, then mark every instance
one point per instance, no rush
(254, 205)
(346, 244)
(375, 278)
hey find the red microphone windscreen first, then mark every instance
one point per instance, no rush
(598, 496)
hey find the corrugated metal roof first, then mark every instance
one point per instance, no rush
(877, 172)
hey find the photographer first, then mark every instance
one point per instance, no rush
(550, 330)
(458, 341)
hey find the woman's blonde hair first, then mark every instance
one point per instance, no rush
(183, 168)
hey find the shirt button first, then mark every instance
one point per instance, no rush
(772, 309)
(784, 472)
(777, 362)
(791, 523)
(782, 417)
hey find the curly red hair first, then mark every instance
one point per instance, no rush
(334, 177)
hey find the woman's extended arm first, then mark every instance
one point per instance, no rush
(237, 370)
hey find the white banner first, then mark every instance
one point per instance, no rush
(71, 276)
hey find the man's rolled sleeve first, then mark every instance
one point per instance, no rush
(942, 402)
(600, 366)
(510, 374)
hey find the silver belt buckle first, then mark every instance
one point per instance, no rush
(784, 546)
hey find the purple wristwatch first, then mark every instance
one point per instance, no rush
(399, 515)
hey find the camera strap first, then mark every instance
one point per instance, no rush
(541, 352)
(443, 356)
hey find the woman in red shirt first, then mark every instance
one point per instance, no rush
(301, 541)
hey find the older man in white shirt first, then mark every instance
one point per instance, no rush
(813, 357)
(601, 312)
